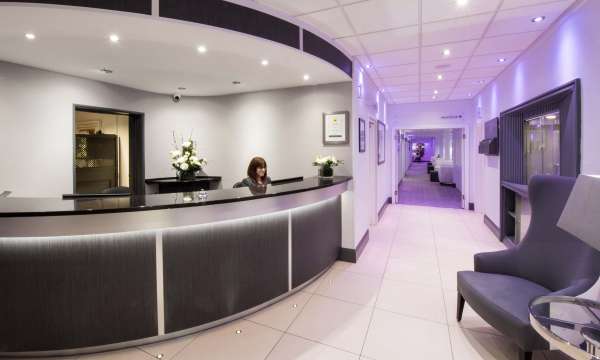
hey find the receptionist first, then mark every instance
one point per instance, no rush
(257, 173)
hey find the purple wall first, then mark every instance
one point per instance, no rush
(569, 49)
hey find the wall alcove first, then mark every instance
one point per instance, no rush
(565, 102)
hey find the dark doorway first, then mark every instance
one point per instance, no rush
(108, 152)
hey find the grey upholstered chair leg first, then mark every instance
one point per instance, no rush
(460, 305)
(525, 355)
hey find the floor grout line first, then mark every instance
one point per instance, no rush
(396, 226)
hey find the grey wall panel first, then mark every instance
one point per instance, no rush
(71, 292)
(216, 270)
(316, 239)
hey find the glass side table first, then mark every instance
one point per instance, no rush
(569, 324)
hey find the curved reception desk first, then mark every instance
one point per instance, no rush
(96, 274)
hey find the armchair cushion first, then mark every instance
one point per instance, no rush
(502, 301)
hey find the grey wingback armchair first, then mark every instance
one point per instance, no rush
(548, 261)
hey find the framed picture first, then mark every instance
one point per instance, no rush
(336, 128)
(362, 135)
(380, 142)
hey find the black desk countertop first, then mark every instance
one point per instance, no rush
(171, 180)
(27, 207)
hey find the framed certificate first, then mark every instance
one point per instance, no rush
(336, 128)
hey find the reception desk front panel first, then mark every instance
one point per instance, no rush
(76, 292)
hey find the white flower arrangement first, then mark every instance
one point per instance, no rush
(186, 160)
(327, 161)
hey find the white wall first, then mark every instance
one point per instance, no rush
(284, 126)
(434, 115)
(570, 49)
(367, 106)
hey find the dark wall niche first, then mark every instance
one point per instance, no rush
(314, 45)
(566, 100)
(232, 16)
(134, 6)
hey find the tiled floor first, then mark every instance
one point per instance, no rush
(416, 189)
(397, 302)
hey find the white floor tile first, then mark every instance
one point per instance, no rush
(223, 343)
(169, 348)
(392, 336)
(417, 271)
(348, 286)
(281, 314)
(473, 345)
(420, 301)
(333, 322)
(294, 348)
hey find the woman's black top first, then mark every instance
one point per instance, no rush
(249, 182)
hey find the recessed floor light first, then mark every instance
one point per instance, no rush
(436, 92)
(368, 66)
(238, 331)
(440, 77)
(434, 97)
(462, 2)
(265, 62)
(30, 36)
(114, 38)
(501, 60)
(306, 77)
(446, 52)
(538, 19)
(202, 49)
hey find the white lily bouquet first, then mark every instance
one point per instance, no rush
(185, 160)
(326, 165)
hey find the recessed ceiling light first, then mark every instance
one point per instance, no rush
(446, 52)
(202, 49)
(434, 97)
(114, 38)
(265, 62)
(238, 331)
(30, 36)
(551, 117)
(436, 92)
(538, 19)
(501, 60)
(306, 77)
(462, 2)
(160, 356)
(440, 77)
(368, 66)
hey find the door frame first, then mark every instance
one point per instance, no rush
(137, 166)
(466, 158)
(373, 149)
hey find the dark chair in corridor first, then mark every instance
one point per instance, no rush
(548, 261)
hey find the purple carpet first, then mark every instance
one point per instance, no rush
(416, 189)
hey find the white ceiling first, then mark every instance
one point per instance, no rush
(153, 55)
(402, 40)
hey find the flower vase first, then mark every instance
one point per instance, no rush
(186, 175)
(326, 172)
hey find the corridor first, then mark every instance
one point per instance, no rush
(416, 189)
